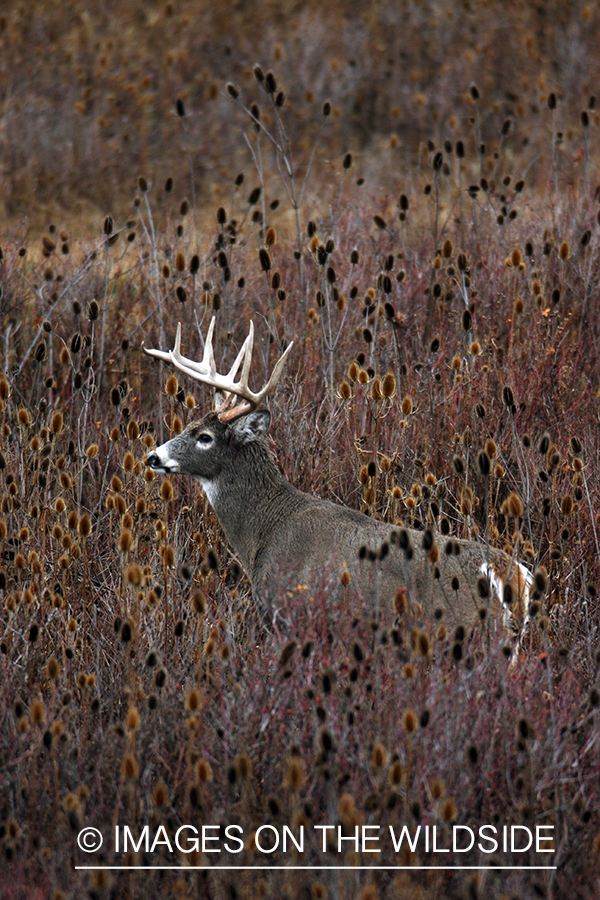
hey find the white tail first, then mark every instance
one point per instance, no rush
(285, 537)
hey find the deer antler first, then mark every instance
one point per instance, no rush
(206, 372)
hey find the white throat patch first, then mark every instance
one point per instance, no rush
(210, 489)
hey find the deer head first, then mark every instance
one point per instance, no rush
(213, 449)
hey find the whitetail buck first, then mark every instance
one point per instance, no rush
(285, 538)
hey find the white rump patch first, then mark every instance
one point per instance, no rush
(528, 577)
(495, 581)
(497, 586)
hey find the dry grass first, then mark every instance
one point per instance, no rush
(88, 100)
(140, 685)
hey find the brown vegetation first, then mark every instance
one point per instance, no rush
(444, 371)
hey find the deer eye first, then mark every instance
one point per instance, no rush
(204, 439)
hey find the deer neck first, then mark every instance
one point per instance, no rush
(246, 497)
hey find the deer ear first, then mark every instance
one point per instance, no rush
(251, 427)
(219, 399)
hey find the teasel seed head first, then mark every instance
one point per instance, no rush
(133, 576)
(287, 652)
(130, 767)
(193, 700)
(421, 643)
(379, 756)
(499, 471)
(409, 721)
(168, 556)
(85, 525)
(458, 465)
(553, 458)
(160, 794)
(376, 392)
(509, 399)
(396, 773)
(24, 417)
(294, 774)
(447, 248)
(483, 587)
(491, 449)
(544, 444)
(203, 771)
(40, 353)
(516, 258)
(566, 506)
(345, 391)
(166, 490)
(23, 725)
(133, 720)
(576, 446)
(540, 580)
(483, 463)
(56, 423)
(125, 540)
(513, 506)
(407, 405)
(37, 713)
(385, 464)
(129, 462)
(388, 385)
(449, 812)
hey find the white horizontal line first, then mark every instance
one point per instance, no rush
(323, 868)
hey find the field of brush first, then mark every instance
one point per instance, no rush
(432, 247)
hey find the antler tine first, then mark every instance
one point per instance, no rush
(229, 408)
(204, 371)
(159, 354)
(241, 356)
(247, 357)
(185, 365)
(206, 367)
(208, 359)
(275, 375)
